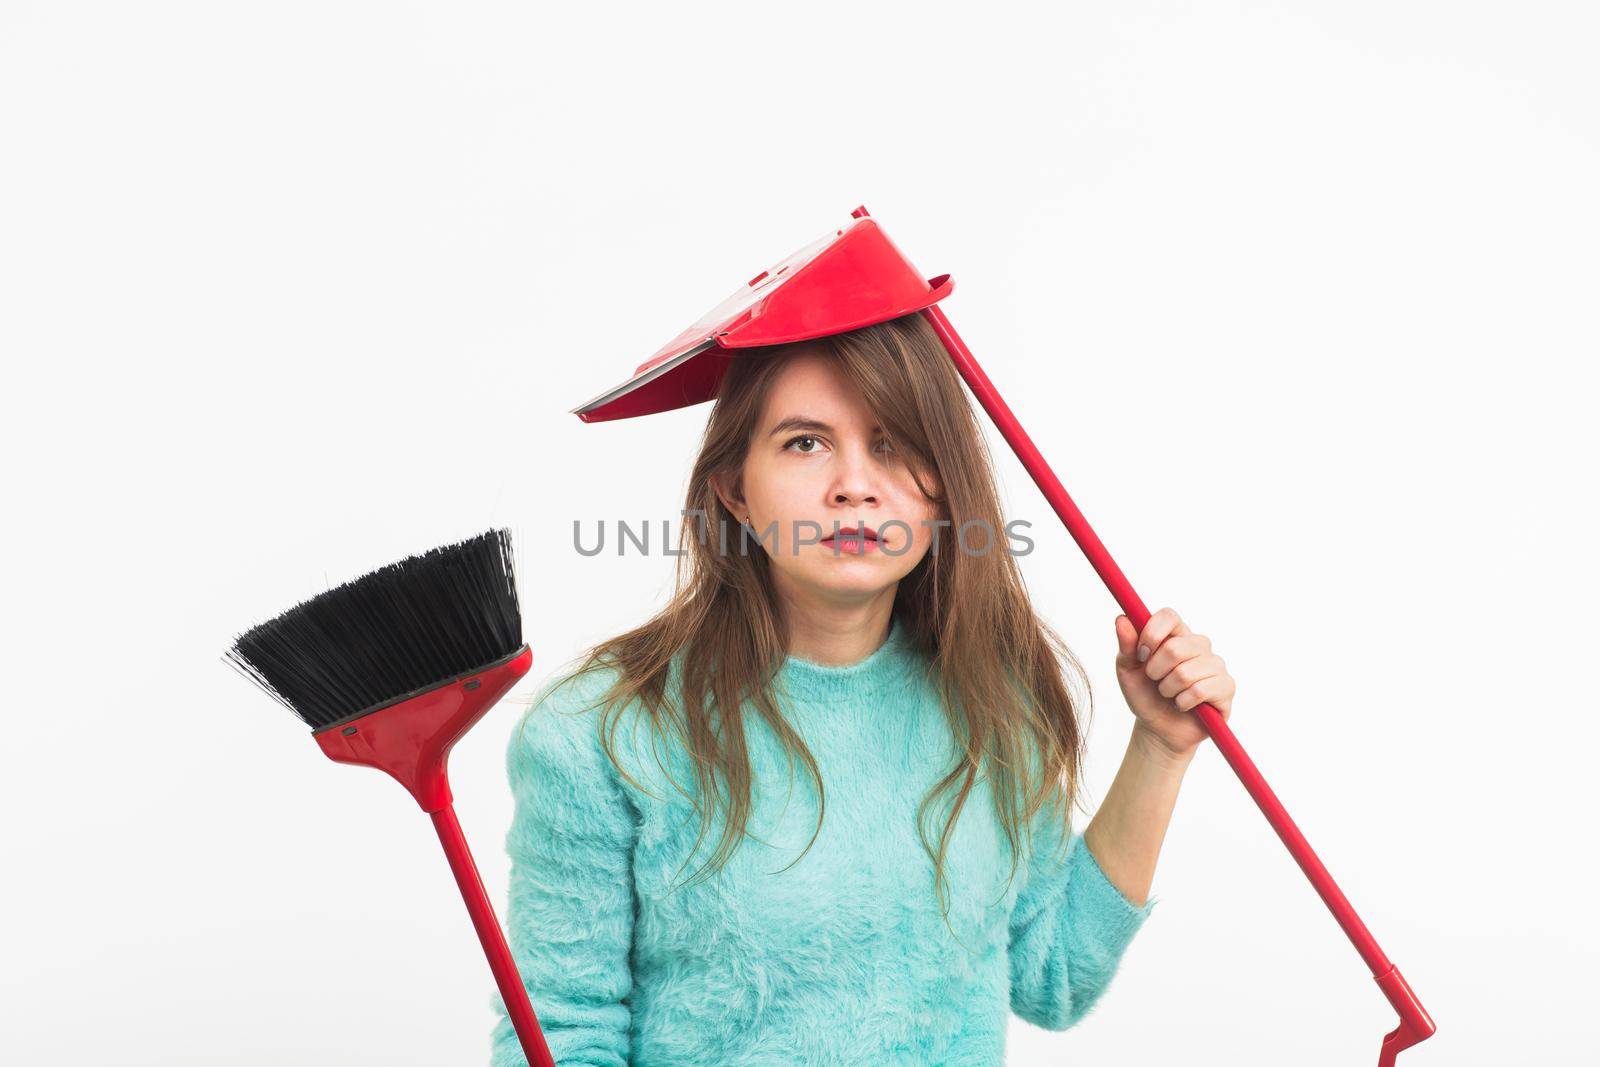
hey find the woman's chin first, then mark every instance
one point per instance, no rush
(850, 576)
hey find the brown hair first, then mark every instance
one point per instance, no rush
(997, 667)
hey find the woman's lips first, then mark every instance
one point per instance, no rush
(854, 540)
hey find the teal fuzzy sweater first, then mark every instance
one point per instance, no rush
(842, 959)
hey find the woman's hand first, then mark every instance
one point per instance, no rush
(1165, 672)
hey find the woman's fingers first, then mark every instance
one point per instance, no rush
(1188, 673)
(1217, 690)
(1163, 624)
(1175, 650)
(1180, 662)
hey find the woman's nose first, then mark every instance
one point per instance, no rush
(854, 483)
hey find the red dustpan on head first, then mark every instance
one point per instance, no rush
(855, 277)
(848, 279)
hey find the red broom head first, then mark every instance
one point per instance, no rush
(389, 670)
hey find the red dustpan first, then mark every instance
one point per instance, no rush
(854, 277)
(850, 278)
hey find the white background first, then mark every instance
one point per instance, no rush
(1298, 300)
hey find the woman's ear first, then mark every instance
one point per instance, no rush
(734, 502)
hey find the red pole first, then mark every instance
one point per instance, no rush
(495, 948)
(1415, 1024)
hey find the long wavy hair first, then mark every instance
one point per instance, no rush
(998, 668)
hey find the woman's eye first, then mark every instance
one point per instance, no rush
(803, 437)
(883, 444)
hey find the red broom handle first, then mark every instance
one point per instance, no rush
(1415, 1023)
(494, 940)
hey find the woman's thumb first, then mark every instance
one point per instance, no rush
(1127, 637)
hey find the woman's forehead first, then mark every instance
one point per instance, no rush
(814, 387)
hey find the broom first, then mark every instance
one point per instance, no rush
(390, 671)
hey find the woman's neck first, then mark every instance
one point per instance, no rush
(834, 634)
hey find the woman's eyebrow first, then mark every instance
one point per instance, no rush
(801, 422)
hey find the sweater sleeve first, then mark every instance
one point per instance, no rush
(1069, 929)
(570, 916)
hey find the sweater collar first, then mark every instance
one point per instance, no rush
(887, 667)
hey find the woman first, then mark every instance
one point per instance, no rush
(850, 604)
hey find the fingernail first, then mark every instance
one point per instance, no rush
(1144, 653)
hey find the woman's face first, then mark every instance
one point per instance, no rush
(818, 457)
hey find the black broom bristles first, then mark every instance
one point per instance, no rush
(388, 635)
